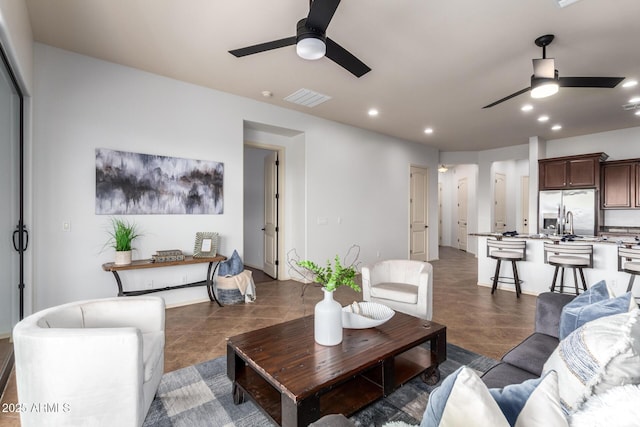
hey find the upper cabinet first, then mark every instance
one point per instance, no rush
(570, 172)
(621, 184)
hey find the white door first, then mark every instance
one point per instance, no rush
(440, 214)
(419, 181)
(500, 203)
(462, 214)
(270, 265)
(524, 191)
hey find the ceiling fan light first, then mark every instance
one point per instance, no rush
(311, 48)
(542, 88)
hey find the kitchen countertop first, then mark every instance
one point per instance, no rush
(621, 239)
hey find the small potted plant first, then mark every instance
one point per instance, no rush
(121, 236)
(328, 312)
(331, 277)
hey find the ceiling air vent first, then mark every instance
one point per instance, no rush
(307, 97)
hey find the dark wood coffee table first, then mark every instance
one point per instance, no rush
(296, 381)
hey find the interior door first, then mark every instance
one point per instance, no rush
(419, 181)
(524, 192)
(462, 214)
(440, 214)
(270, 240)
(500, 203)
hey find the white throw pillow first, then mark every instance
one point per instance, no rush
(601, 354)
(617, 407)
(464, 400)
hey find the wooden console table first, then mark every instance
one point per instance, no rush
(209, 282)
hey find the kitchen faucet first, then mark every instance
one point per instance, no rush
(569, 219)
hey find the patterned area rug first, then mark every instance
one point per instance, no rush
(200, 395)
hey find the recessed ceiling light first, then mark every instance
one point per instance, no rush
(527, 107)
(373, 112)
(630, 83)
(267, 93)
(637, 113)
(428, 131)
(635, 100)
(556, 127)
(543, 118)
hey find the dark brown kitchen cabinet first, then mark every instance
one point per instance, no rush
(621, 184)
(570, 172)
(618, 185)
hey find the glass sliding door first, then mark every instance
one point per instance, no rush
(12, 237)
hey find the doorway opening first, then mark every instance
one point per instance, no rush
(263, 201)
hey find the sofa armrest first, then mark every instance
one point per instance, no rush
(548, 310)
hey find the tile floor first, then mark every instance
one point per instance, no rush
(476, 320)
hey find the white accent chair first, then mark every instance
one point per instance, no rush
(403, 285)
(93, 363)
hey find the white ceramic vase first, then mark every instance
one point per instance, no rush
(123, 258)
(328, 320)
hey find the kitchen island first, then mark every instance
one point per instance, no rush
(537, 276)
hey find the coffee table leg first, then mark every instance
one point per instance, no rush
(301, 414)
(431, 376)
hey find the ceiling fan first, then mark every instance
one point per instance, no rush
(311, 40)
(545, 81)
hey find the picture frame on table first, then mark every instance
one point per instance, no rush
(206, 245)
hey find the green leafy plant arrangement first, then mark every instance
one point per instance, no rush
(122, 234)
(331, 277)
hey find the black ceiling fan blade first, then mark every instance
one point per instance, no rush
(321, 13)
(346, 60)
(262, 47)
(506, 98)
(608, 82)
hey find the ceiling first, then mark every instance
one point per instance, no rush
(434, 63)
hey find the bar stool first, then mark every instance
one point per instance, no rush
(576, 257)
(629, 262)
(507, 250)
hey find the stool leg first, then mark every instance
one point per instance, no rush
(555, 276)
(575, 279)
(495, 277)
(631, 279)
(584, 282)
(562, 280)
(516, 279)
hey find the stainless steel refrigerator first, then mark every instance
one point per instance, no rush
(561, 209)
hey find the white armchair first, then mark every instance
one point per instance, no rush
(403, 285)
(90, 363)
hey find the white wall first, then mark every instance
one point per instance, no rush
(80, 103)
(618, 144)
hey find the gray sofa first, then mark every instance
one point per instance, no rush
(526, 360)
(521, 363)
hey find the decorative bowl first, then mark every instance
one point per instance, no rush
(371, 315)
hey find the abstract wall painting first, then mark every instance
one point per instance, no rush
(133, 184)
